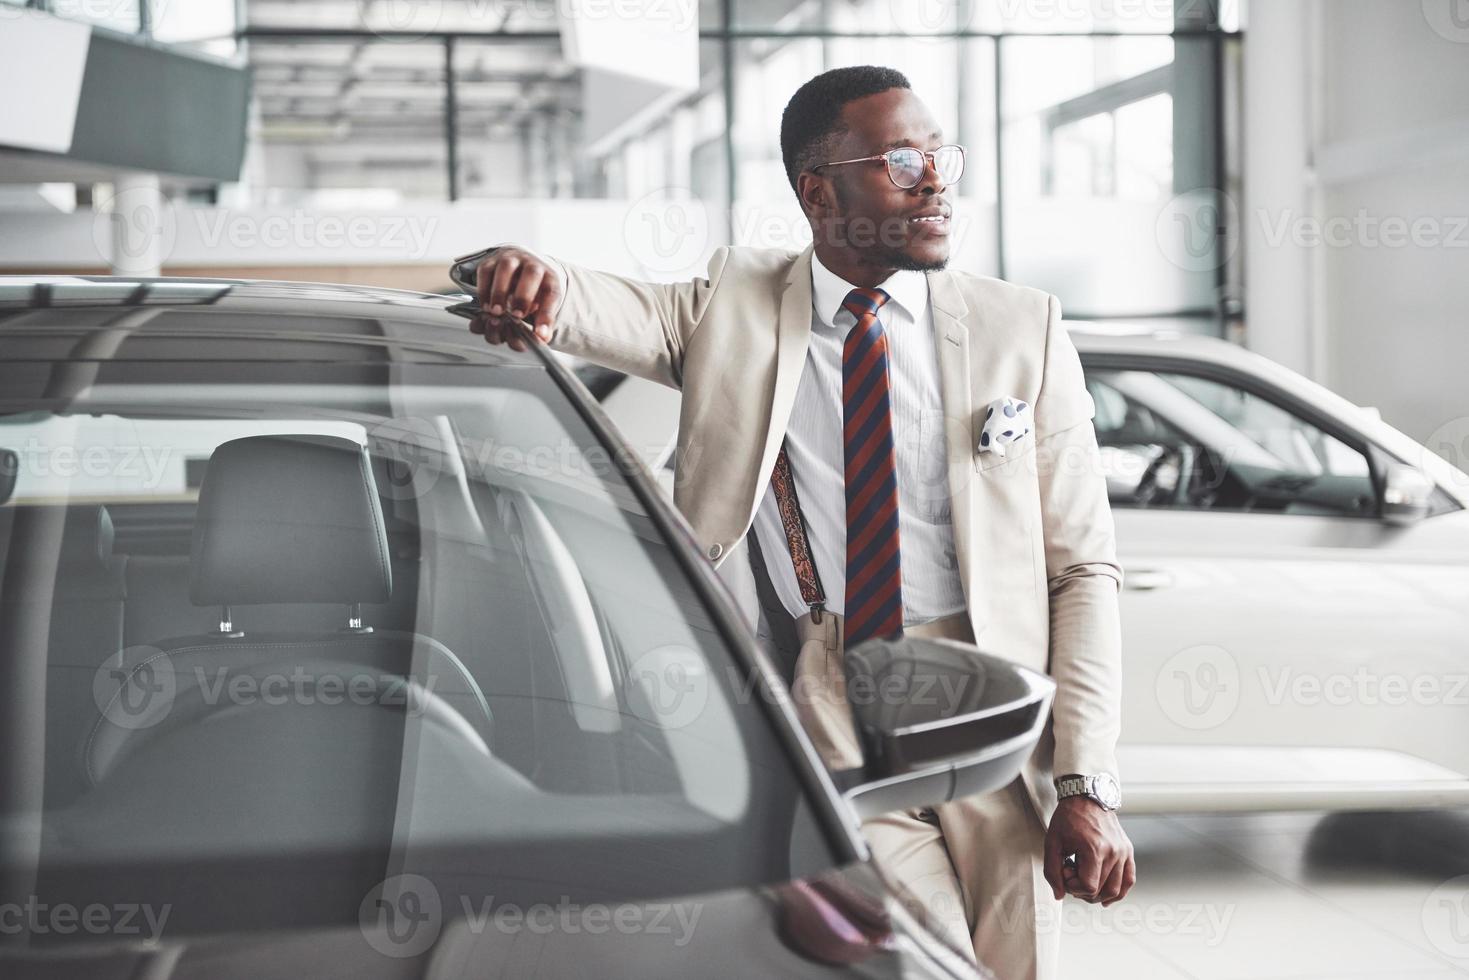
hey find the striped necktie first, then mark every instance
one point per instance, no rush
(874, 597)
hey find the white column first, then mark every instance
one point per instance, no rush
(142, 226)
(1280, 281)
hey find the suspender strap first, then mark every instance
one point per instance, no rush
(797, 540)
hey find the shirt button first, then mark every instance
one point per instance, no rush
(715, 550)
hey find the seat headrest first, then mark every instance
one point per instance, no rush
(291, 519)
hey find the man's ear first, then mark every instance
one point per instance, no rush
(817, 196)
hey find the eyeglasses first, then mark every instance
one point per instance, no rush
(906, 164)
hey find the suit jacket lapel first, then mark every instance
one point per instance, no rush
(793, 336)
(952, 342)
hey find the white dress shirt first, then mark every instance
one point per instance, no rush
(814, 444)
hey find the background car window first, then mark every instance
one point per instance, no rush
(1176, 440)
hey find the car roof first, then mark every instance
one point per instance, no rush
(54, 317)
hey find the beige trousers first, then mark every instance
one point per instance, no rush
(971, 869)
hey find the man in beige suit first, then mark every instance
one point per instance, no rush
(944, 417)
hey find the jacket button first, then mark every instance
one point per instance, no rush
(715, 550)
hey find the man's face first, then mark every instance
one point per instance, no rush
(884, 225)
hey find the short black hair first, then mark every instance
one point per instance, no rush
(812, 120)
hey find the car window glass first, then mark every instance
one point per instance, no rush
(1180, 441)
(563, 711)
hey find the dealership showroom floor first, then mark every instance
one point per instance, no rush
(1303, 896)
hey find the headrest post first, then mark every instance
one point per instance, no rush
(354, 619)
(227, 625)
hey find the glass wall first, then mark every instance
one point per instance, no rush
(1101, 165)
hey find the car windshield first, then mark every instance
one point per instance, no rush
(304, 625)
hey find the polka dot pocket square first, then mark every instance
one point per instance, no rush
(1006, 421)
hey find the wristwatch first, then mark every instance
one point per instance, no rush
(1102, 788)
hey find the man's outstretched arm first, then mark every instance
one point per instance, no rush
(635, 327)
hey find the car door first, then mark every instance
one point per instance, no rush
(1284, 647)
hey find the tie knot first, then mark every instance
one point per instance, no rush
(863, 301)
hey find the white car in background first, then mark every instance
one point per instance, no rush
(1295, 611)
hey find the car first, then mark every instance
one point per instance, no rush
(336, 641)
(1295, 603)
(1295, 600)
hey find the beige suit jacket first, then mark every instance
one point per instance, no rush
(1033, 530)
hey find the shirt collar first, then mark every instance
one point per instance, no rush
(906, 287)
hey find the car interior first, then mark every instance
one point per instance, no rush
(1180, 441)
(323, 659)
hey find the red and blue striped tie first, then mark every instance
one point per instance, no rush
(874, 599)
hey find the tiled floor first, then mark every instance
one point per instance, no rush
(1268, 897)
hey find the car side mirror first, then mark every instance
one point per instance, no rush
(9, 470)
(1407, 494)
(937, 720)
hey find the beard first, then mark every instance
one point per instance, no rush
(880, 254)
(902, 260)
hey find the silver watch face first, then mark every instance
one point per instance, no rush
(1108, 792)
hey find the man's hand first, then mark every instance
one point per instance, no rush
(1105, 870)
(514, 284)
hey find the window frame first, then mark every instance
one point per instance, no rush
(1299, 408)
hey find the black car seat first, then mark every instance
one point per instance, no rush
(283, 520)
